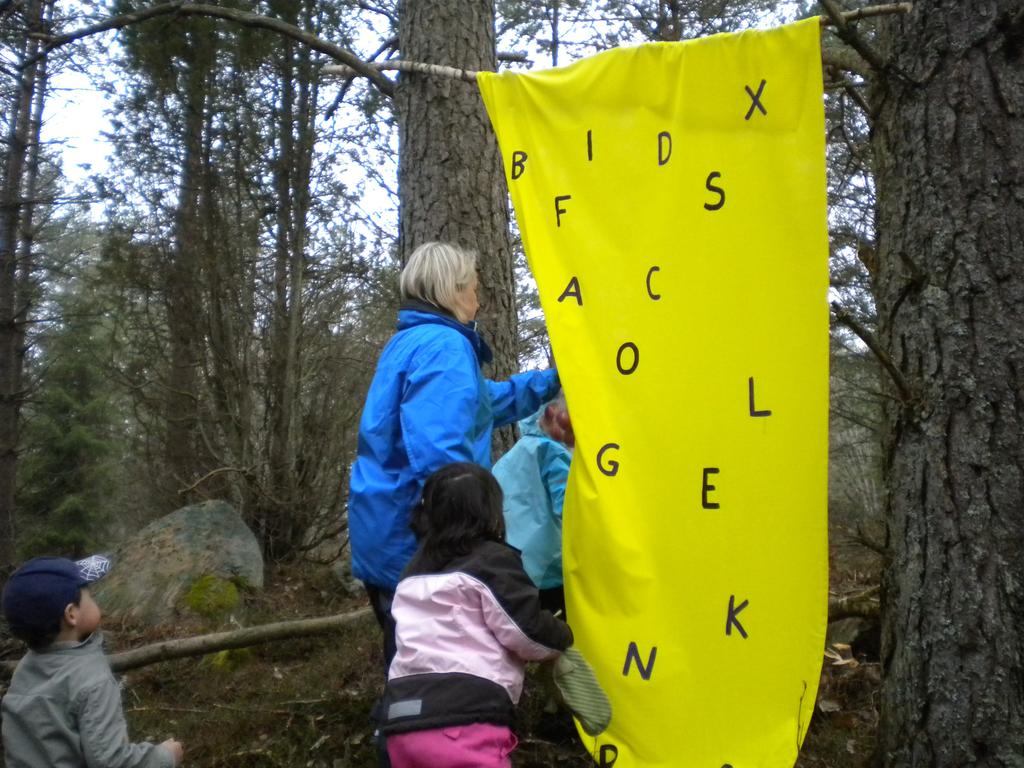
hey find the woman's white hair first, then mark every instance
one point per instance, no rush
(436, 272)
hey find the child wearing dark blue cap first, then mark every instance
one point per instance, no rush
(64, 706)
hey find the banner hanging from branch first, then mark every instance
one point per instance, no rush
(671, 199)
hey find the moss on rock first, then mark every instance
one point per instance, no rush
(212, 597)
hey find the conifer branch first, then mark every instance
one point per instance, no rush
(243, 18)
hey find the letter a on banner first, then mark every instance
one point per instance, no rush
(702, 259)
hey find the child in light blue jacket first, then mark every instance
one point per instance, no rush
(533, 475)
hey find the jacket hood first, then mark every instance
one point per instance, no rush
(50, 659)
(413, 313)
(530, 426)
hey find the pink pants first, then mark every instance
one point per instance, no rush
(477, 745)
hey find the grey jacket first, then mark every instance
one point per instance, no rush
(63, 710)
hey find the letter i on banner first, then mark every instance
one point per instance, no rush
(671, 199)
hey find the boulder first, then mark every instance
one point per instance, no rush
(192, 561)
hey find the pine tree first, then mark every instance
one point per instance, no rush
(70, 442)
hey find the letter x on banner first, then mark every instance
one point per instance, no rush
(671, 199)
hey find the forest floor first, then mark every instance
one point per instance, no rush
(306, 702)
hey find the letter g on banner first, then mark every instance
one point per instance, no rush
(608, 467)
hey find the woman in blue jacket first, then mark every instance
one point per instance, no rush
(429, 405)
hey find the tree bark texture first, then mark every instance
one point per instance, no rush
(450, 178)
(949, 143)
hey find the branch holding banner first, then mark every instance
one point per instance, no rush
(829, 58)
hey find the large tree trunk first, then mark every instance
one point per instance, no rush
(949, 142)
(450, 179)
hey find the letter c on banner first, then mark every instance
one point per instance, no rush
(650, 291)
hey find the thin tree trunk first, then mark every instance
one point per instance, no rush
(12, 196)
(451, 184)
(182, 401)
(229, 291)
(555, 11)
(308, 76)
(25, 290)
(287, 518)
(277, 521)
(949, 143)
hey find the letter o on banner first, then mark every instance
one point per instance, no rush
(635, 358)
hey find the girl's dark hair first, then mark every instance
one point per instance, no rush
(459, 508)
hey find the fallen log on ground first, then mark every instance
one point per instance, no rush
(864, 605)
(167, 650)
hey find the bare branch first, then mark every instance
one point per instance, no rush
(859, 62)
(244, 18)
(867, 12)
(378, 10)
(845, 59)
(858, 97)
(214, 473)
(389, 45)
(848, 35)
(400, 65)
(844, 317)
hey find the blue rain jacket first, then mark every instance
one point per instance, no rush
(533, 475)
(428, 405)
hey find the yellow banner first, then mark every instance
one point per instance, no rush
(671, 199)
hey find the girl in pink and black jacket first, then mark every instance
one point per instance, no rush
(468, 619)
